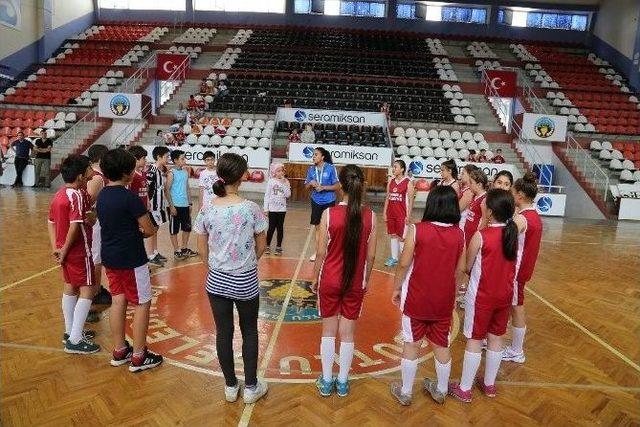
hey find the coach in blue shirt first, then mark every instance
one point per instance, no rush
(322, 178)
(22, 147)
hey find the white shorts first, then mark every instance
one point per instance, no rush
(159, 217)
(95, 244)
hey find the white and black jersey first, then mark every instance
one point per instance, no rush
(155, 182)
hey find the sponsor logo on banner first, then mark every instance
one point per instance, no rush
(10, 13)
(304, 115)
(416, 167)
(430, 169)
(257, 158)
(120, 105)
(550, 204)
(341, 154)
(503, 82)
(544, 204)
(300, 116)
(307, 152)
(544, 127)
(168, 63)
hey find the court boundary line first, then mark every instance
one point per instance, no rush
(26, 279)
(247, 411)
(583, 329)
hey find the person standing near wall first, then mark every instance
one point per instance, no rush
(43, 159)
(23, 148)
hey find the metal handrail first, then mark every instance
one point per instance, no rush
(143, 73)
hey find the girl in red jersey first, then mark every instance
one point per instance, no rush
(466, 195)
(449, 175)
(478, 184)
(503, 180)
(425, 288)
(345, 254)
(397, 209)
(491, 261)
(524, 192)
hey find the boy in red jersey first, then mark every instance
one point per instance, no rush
(431, 264)
(70, 237)
(139, 180)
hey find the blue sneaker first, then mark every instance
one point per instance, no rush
(342, 388)
(390, 262)
(325, 388)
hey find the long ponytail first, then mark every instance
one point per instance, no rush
(352, 181)
(502, 207)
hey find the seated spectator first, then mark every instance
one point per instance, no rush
(200, 104)
(181, 114)
(386, 109)
(159, 139)
(482, 157)
(473, 157)
(203, 121)
(293, 136)
(498, 157)
(192, 105)
(223, 90)
(204, 88)
(308, 136)
(180, 136)
(196, 129)
(220, 130)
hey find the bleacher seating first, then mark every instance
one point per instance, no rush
(365, 136)
(438, 144)
(196, 36)
(229, 132)
(622, 159)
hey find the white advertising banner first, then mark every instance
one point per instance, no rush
(430, 168)
(119, 105)
(257, 158)
(337, 117)
(343, 154)
(550, 204)
(544, 127)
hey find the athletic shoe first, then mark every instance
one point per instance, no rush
(122, 356)
(278, 250)
(253, 395)
(188, 253)
(267, 250)
(508, 355)
(103, 297)
(148, 360)
(87, 334)
(312, 258)
(179, 255)
(390, 262)
(231, 393)
(396, 391)
(431, 387)
(93, 317)
(342, 388)
(325, 387)
(161, 257)
(488, 390)
(458, 393)
(83, 347)
(156, 261)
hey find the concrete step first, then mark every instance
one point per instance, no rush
(206, 60)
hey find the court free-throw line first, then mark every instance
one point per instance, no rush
(585, 330)
(26, 279)
(248, 409)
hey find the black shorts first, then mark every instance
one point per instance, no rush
(316, 211)
(182, 220)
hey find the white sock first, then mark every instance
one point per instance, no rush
(394, 248)
(68, 305)
(443, 371)
(408, 368)
(469, 369)
(327, 354)
(79, 317)
(491, 366)
(517, 339)
(346, 357)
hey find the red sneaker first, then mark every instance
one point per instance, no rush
(458, 393)
(488, 390)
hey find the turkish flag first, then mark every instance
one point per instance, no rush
(503, 82)
(168, 63)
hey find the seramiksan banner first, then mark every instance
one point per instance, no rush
(430, 169)
(119, 105)
(337, 117)
(257, 158)
(343, 154)
(544, 127)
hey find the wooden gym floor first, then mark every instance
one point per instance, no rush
(582, 345)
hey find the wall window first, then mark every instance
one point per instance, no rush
(543, 19)
(406, 11)
(443, 13)
(302, 6)
(143, 4)
(264, 6)
(344, 8)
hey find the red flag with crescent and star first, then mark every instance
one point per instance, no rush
(503, 82)
(168, 63)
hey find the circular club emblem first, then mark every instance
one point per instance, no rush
(8, 13)
(544, 127)
(307, 152)
(300, 115)
(416, 167)
(120, 105)
(181, 323)
(544, 204)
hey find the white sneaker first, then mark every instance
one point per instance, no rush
(508, 355)
(231, 393)
(312, 258)
(252, 396)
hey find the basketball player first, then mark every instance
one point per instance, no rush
(397, 208)
(156, 176)
(524, 190)
(466, 195)
(449, 175)
(425, 288)
(345, 254)
(491, 261)
(478, 184)
(503, 180)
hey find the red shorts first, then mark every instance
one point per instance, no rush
(436, 331)
(396, 226)
(78, 270)
(518, 295)
(331, 302)
(480, 321)
(134, 283)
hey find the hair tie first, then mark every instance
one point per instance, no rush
(221, 180)
(508, 221)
